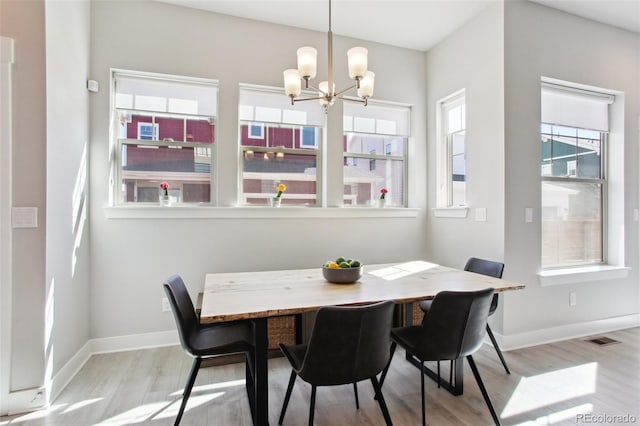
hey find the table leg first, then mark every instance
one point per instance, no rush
(261, 417)
(298, 327)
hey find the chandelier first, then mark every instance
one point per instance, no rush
(307, 64)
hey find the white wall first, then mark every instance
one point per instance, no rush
(544, 42)
(67, 275)
(131, 257)
(471, 59)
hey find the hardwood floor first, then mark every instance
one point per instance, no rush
(570, 382)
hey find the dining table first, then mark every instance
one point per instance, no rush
(260, 295)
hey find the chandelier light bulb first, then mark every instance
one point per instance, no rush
(307, 62)
(292, 85)
(326, 97)
(366, 85)
(357, 60)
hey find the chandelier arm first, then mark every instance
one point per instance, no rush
(311, 86)
(308, 99)
(345, 90)
(362, 101)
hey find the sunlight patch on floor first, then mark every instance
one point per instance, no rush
(38, 414)
(211, 386)
(81, 404)
(135, 415)
(559, 416)
(550, 388)
(193, 402)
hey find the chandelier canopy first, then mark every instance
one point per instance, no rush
(307, 67)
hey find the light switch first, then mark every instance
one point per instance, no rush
(635, 215)
(481, 214)
(528, 215)
(24, 217)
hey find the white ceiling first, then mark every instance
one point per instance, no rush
(414, 24)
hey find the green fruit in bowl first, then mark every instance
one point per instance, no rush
(355, 264)
(340, 260)
(344, 265)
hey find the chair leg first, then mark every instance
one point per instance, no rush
(485, 395)
(497, 348)
(292, 380)
(381, 402)
(187, 389)
(424, 418)
(250, 383)
(312, 405)
(355, 391)
(386, 367)
(438, 374)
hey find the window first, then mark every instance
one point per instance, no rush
(286, 149)
(574, 134)
(451, 152)
(375, 152)
(165, 132)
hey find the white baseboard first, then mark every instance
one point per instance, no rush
(566, 332)
(134, 341)
(68, 371)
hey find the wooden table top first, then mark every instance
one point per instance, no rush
(245, 295)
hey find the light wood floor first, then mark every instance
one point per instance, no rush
(570, 382)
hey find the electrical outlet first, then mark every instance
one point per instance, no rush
(572, 298)
(165, 305)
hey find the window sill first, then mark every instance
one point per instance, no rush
(459, 212)
(254, 212)
(581, 274)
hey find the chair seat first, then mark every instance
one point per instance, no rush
(222, 339)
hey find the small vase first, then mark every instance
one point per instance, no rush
(276, 201)
(381, 202)
(165, 200)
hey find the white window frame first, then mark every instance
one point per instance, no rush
(396, 123)
(573, 178)
(444, 156)
(278, 111)
(120, 112)
(613, 266)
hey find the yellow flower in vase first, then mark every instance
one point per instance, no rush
(278, 198)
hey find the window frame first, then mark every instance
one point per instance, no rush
(602, 181)
(444, 154)
(249, 151)
(380, 129)
(118, 142)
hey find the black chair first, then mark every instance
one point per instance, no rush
(347, 345)
(208, 340)
(492, 269)
(453, 328)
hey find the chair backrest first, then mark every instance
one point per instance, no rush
(348, 344)
(486, 267)
(183, 311)
(455, 324)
